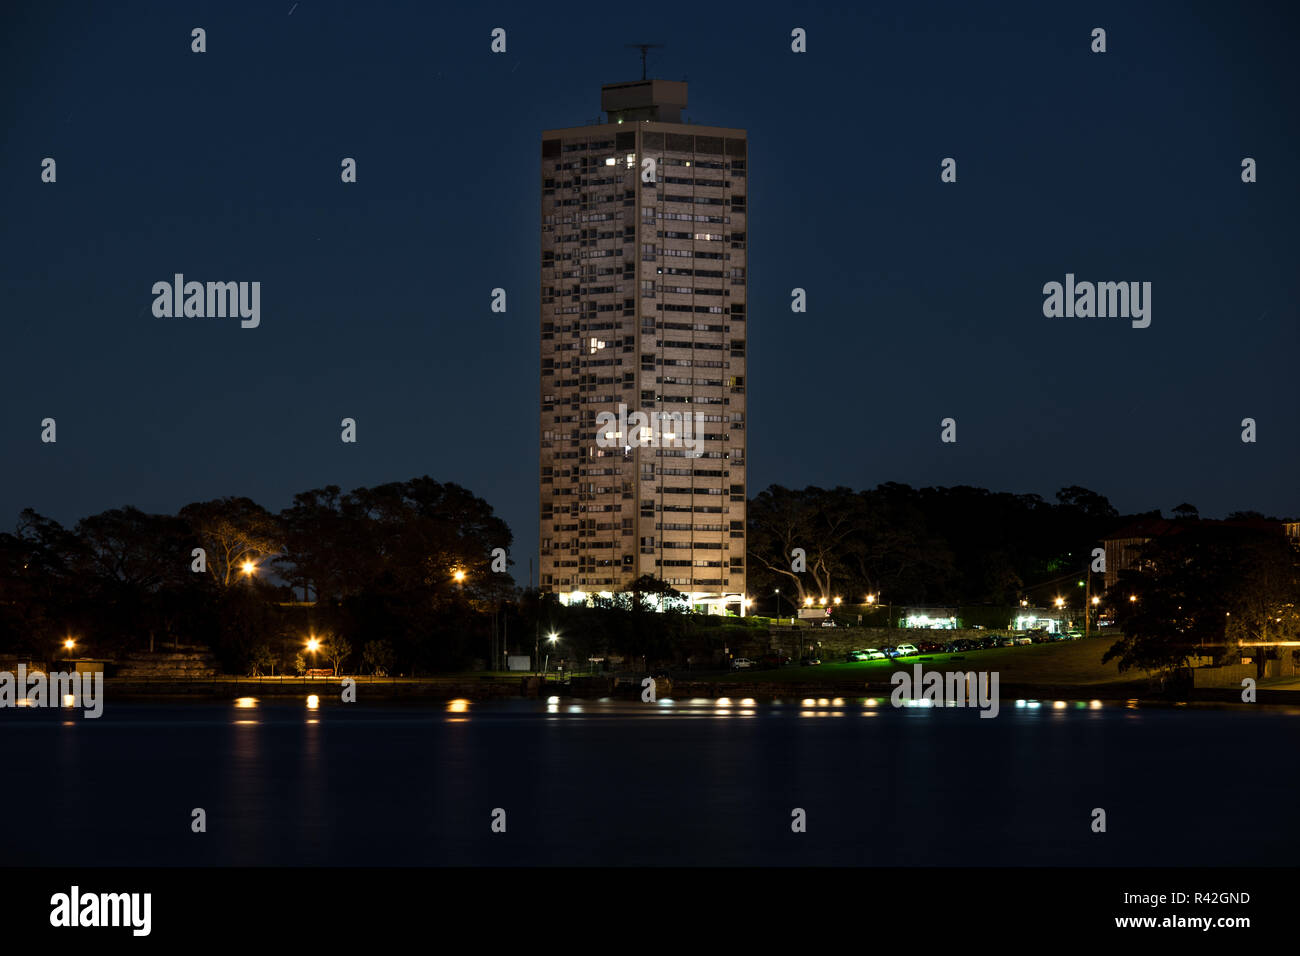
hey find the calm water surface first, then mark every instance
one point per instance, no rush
(617, 782)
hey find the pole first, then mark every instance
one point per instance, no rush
(1087, 604)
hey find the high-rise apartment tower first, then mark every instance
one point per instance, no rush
(643, 282)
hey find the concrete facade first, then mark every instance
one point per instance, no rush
(643, 295)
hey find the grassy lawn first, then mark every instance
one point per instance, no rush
(1065, 662)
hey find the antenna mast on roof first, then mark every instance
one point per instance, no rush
(643, 47)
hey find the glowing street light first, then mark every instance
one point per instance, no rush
(1132, 598)
(248, 567)
(1096, 600)
(458, 576)
(807, 602)
(1060, 602)
(69, 643)
(313, 644)
(552, 637)
(838, 600)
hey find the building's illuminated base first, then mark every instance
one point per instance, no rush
(704, 602)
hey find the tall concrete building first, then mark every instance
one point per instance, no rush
(643, 292)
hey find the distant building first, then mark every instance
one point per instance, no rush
(1052, 620)
(931, 618)
(1123, 546)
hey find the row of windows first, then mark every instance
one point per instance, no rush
(729, 148)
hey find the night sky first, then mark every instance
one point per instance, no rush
(925, 298)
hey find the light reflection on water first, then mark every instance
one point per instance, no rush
(570, 709)
(616, 781)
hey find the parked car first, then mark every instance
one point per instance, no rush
(741, 663)
(773, 660)
(1023, 639)
(930, 647)
(853, 656)
(874, 654)
(810, 661)
(905, 650)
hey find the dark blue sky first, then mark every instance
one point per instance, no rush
(925, 298)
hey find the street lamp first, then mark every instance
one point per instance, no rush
(313, 645)
(552, 637)
(458, 576)
(248, 567)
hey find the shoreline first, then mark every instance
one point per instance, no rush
(489, 687)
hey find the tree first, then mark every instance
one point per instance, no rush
(134, 565)
(377, 657)
(814, 520)
(260, 659)
(233, 531)
(1087, 502)
(1203, 588)
(336, 650)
